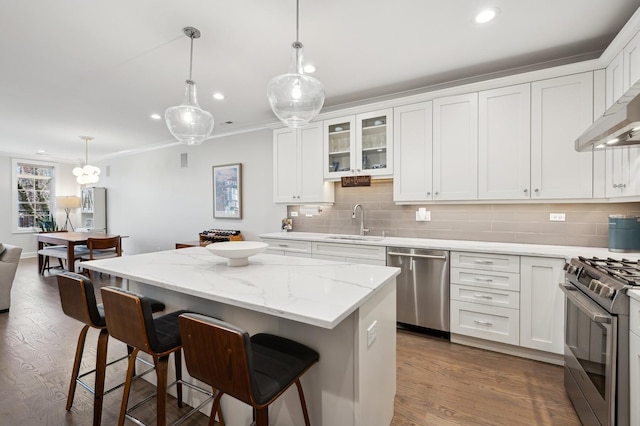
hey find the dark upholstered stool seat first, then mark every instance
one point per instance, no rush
(79, 302)
(129, 319)
(255, 370)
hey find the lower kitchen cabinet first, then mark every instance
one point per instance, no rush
(541, 304)
(287, 247)
(485, 322)
(354, 253)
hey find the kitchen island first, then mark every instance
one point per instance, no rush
(345, 311)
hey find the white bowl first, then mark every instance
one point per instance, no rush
(237, 252)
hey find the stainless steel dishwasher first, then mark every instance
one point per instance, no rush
(422, 287)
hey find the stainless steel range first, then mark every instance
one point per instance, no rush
(597, 338)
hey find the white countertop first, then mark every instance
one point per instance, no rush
(312, 291)
(634, 294)
(566, 252)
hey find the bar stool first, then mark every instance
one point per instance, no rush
(255, 370)
(129, 319)
(79, 302)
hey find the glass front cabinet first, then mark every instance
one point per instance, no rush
(359, 145)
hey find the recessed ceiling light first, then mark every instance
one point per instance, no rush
(156, 116)
(309, 68)
(219, 96)
(486, 15)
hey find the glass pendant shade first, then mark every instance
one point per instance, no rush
(295, 98)
(87, 174)
(187, 122)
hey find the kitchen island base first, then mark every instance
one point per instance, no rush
(354, 382)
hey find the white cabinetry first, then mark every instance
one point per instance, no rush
(484, 296)
(297, 166)
(508, 299)
(412, 146)
(288, 247)
(455, 147)
(359, 145)
(631, 61)
(541, 304)
(622, 171)
(561, 108)
(354, 253)
(504, 143)
(634, 361)
(614, 80)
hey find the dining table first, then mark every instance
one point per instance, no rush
(69, 239)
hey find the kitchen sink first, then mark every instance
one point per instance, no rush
(355, 237)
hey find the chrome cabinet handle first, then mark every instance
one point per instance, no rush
(482, 296)
(483, 262)
(480, 322)
(485, 280)
(283, 245)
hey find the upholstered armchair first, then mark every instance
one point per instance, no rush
(9, 258)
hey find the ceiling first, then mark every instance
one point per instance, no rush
(101, 68)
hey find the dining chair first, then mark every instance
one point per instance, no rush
(51, 250)
(256, 370)
(128, 317)
(102, 248)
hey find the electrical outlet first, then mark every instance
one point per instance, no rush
(371, 333)
(423, 215)
(557, 217)
(294, 214)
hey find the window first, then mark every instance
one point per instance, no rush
(34, 186)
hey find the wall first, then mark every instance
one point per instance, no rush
(586, 224)
(157, 203)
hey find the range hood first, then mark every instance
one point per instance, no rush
(618, 126)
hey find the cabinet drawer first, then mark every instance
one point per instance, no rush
(634, 316)
(495, 280)
(350, 250)
(486, 261)
(505, 299)
(485, 322)
(288, 245)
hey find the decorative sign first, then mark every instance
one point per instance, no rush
(350, 181)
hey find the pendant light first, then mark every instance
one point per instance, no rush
(295, 98)
(87, 174)
(187, 122)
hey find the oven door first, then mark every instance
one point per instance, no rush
(590, 354)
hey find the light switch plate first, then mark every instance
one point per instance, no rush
(294, 214)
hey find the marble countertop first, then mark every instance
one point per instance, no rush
(312, 291)
(566, 252)
(634, 294)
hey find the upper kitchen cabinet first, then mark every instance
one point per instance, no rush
(631, 62)
(614, 80)
(297, 166)
(622, 171)
(412, 152)
(504, 143)
(561, 108)
(455, 147)
(359, 145)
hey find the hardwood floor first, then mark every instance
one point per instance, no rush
(438, 383)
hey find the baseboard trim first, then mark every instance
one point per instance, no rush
(534, 354)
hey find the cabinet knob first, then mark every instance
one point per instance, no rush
(536, 190)
(622, 185)
(428, 193)
(526, 190)
(436, 193)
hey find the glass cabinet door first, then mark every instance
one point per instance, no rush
(374, 155)
(339, 147)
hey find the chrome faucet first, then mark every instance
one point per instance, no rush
(363, 230)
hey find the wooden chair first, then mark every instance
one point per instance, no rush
(51, 250)
(79, 302)
(102, 248)
(256, 370)
(129, 319)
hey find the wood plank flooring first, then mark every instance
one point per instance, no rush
(438, 383)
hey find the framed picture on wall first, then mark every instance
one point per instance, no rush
(227, 191)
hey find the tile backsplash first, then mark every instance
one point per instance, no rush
(586, 223)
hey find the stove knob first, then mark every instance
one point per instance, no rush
(606, 292)
(595, 286)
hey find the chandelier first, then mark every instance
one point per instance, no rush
(295, 98)
(187, 122)
(87, 174)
